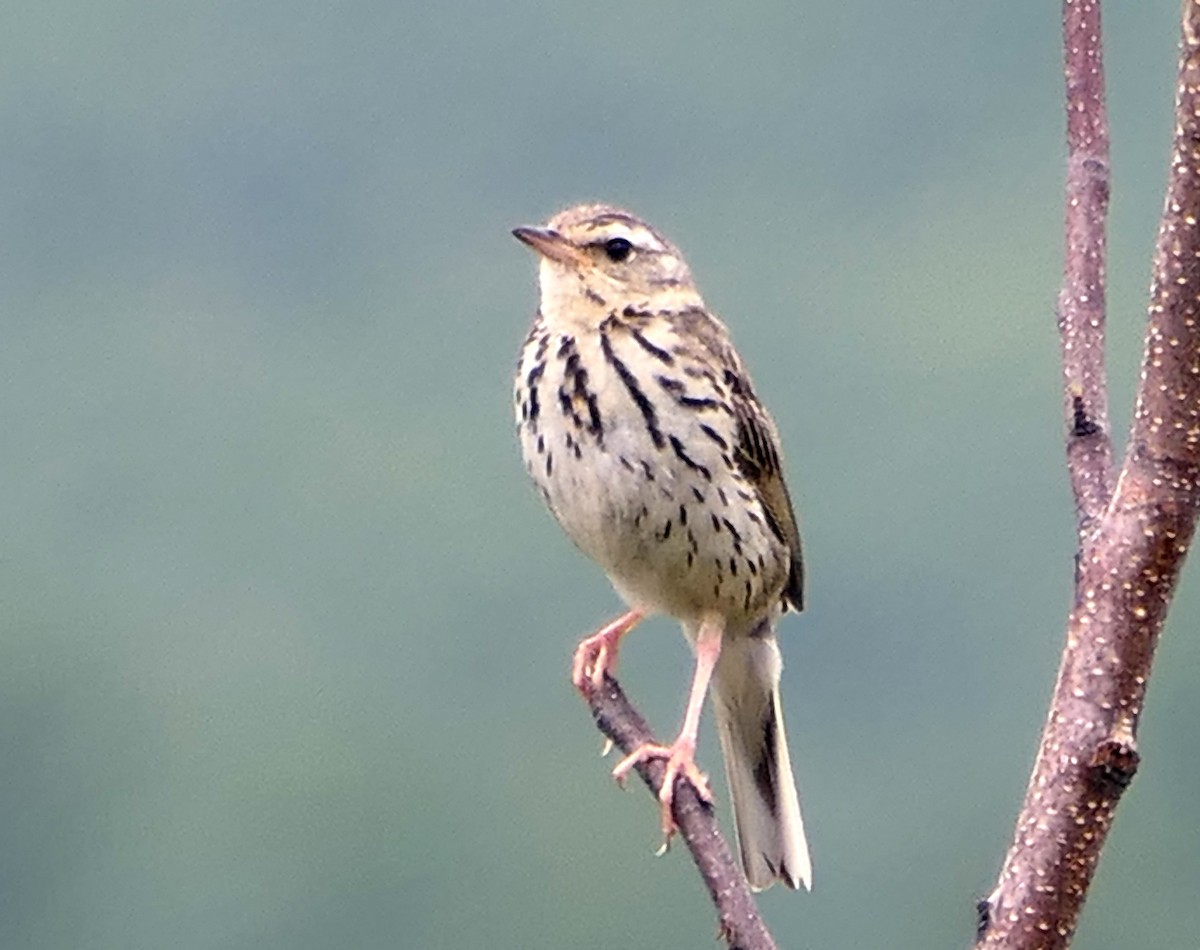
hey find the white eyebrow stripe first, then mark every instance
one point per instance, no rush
(638, 237)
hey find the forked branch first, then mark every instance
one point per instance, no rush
(1133, 534)
(1133, 538)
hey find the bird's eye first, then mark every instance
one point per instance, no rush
(617, 249)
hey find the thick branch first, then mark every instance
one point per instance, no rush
(1088, 753)
(739, 920)
(1081, 300)
(1128, 565)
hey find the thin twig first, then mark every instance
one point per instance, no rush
(1128, 564)
(1081, 300)
(738, 919)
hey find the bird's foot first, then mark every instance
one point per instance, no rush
(680, 759)
(597, 655)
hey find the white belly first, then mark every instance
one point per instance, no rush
(685, 538)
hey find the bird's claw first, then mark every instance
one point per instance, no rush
(596, 655)
(680, 761)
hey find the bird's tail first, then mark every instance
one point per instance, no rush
(766, 806)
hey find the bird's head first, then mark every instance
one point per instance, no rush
(597, 259)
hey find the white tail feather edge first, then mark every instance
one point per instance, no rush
(766, 805)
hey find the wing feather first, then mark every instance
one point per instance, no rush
(756, 449)
(756, 455)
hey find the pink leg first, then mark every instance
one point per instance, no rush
(597, 654)
(681, 754)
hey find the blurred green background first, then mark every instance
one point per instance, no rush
(285, 633)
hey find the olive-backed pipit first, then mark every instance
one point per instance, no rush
(641, 430)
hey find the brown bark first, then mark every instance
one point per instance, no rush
(1134, 537)
(1081, 300)
(738, 920)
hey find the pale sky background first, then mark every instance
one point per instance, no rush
(286, 635)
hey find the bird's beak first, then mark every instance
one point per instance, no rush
(549, 243)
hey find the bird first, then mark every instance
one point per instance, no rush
(641, 430)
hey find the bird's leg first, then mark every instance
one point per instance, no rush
(681, 754)
(597, 654)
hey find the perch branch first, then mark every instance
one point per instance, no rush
(1129, 557)
(738, 918)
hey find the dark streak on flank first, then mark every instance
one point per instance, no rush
(595, 424)
(714, 435)
(682, 516)
(703, 403)
(593, 296)
(656, 351)
(687, 460)
(531, 380)
(568, 408)
(635, 391)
